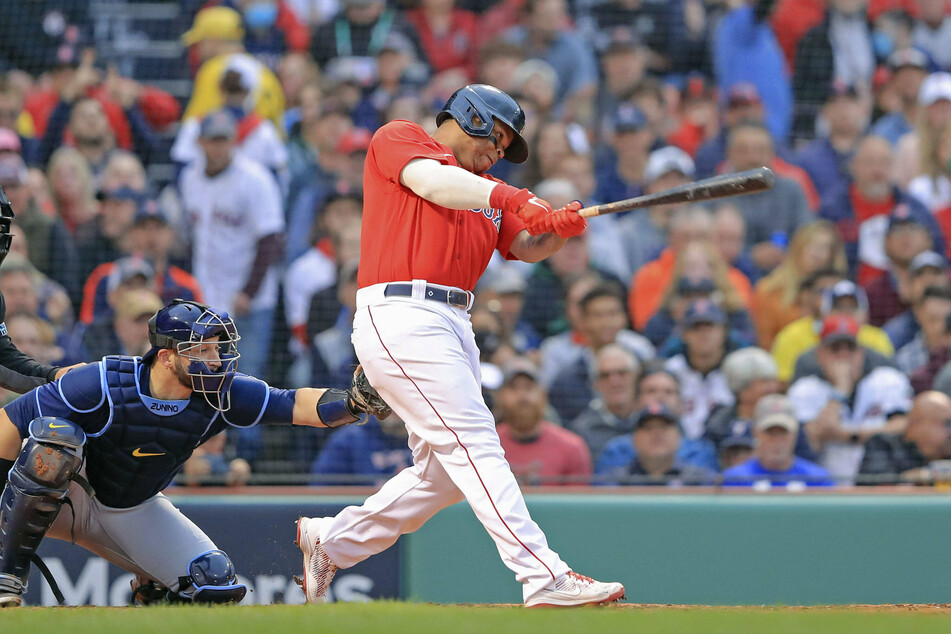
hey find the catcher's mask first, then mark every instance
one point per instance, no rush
(6, 220)
(206, 340)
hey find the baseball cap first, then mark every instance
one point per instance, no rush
(356, 140)
(688, 286)
(149, 210)
(218, 125)
(668, 159)
(839, 328)
(839, 88)
(519, 367)
(628, 118)
(219, 23)
(137, 302)
(775, 410)
(934, 88)
(9, 141)
(740, 435)
(742, 94)
(703, 311)
(396, 42)
(128, 268)
(697, 86)
(927, 259)
(12, 170)
(746, 365)
(119, 193)
(621, 39)
(656, 410)
(840, 290)
(907, 57)
(902, 216)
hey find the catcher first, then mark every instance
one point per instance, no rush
(109, 436)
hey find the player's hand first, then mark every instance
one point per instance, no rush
(530, 209)
(566, 223)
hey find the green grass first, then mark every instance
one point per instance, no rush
(394, 617)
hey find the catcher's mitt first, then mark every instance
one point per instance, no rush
(365, 398)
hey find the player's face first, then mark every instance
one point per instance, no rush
(481, 153)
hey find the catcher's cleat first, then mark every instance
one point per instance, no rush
(147, 591)
(11, 591)
(319, 571)
(574, 590)
(10, 600)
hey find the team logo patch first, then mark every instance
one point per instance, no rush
(495, 215)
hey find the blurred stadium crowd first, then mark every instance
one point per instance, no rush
(213, 149)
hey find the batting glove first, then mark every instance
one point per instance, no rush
(529, 208)
(566, 222)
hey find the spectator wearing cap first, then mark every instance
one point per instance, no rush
(126, 331)
(923, 356)
(904, 458)
(602, 322)
(774, 463)
(699, 368)
(505, 292)
(819, 62)
(892, 292)
(612, 412)
(861, 210)
(934, 101)
(927, 269)
(644, 233)
(649, 285)
(655, 453)
(699, 117)
(826, 159)
(366, 454)
(842, 404)
(102, 239)
(745, 50)
(779, 296)
(448, 35)
(538, 451)
(794, 343)
(737, 447)
(149, 240)
(773, 215)
(237, 227)
(49, 245)
(620, 167)
(908, 67)
(217, 36)
(932, 32)
(256, 137)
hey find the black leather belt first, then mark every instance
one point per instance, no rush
(457, 298)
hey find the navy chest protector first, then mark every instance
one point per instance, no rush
(146, 442)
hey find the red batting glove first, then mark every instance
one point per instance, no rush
(528, 207)
(566, 222)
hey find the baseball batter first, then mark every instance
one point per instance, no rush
(109, 436)
(431, 222)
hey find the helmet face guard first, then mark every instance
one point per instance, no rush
(207, 342)
(477, 107)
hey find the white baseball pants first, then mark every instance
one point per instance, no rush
(421, 357)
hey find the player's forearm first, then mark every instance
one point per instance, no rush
(447, 185)
(305, 407)
(529, 248)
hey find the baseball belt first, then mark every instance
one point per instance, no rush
(454, 297)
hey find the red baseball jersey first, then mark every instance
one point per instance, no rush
(406, 237)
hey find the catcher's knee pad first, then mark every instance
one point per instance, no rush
(210, 579)
(35, 491)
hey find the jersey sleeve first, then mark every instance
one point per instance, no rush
(78, 397)
(253, 401)
(399, 142)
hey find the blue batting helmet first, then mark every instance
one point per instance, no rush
(476, 107)
(189, 328)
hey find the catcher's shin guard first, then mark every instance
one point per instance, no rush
(34, 495)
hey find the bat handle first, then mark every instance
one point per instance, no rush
(590, 212)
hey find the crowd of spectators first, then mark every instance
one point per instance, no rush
(791, 338)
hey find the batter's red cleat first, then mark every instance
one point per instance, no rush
(318, 569)
(574, 590)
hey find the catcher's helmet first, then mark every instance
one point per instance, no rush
(188, 328)
(476, 107)
(6, 219)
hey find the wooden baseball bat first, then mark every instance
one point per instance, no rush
(723, 186)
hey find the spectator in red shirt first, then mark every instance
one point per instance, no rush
(448, 35)
(538, 451)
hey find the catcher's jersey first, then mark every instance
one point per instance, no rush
(135, 443)
(228, 213)
(406, 237)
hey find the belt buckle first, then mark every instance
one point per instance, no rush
(453, 299)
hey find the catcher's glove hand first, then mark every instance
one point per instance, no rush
(366, 399)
